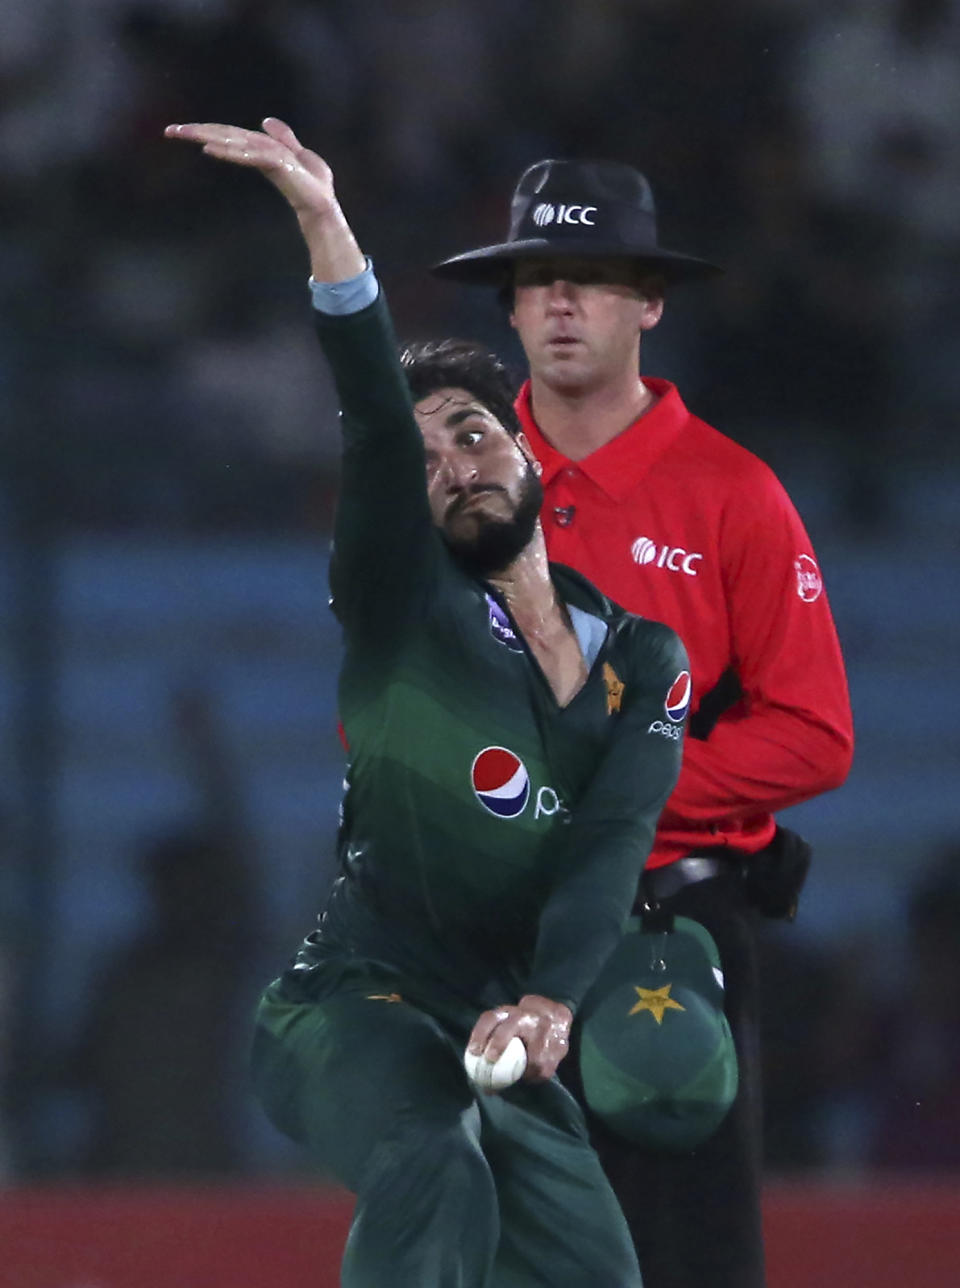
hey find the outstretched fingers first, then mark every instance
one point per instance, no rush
(282, 132)
(301, 176)
(231, 143)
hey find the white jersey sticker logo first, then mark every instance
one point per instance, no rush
(673, 558)
(809, 581)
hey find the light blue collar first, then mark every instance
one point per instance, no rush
(591, 631)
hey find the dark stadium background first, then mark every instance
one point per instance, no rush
(169, 768)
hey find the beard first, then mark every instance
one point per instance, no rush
(495, 543)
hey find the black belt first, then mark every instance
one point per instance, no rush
(664, 882)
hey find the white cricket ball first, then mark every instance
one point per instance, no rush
(497, 1075)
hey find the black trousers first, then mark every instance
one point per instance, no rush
(695, 1217)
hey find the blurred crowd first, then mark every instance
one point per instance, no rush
(154, 343)
(862, 1047)
(157, 373)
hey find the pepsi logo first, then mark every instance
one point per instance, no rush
(500, 782)
(678, 697)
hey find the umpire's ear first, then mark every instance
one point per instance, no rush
(526, 450)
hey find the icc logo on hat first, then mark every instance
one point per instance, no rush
(678, 697)
(500, 782)
(545, 214)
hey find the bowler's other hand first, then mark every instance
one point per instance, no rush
(302, 176)
(541, 1025)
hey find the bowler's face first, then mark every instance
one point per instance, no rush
(477, 473)
(580, 320)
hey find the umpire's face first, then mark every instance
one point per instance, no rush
(482, 482)
(580, 320)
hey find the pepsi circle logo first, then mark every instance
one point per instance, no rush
(500, 782)
(678, 697)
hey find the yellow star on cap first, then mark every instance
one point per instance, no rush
(656, 1001)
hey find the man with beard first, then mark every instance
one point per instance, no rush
(507, 768)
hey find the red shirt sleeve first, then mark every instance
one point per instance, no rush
(791, 736)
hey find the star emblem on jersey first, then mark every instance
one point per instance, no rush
(615, 687)
(677, 702)
(656, 1001)
(500, 782)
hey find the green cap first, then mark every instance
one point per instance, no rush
(656, 1053)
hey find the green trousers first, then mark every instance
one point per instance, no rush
(454, 1189)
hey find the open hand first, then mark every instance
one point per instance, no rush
(543, 1027)
(302, 176)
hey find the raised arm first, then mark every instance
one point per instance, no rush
(385, 544)
(301, 176)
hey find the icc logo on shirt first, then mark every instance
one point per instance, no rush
(674, 558)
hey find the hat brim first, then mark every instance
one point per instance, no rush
(490, 265)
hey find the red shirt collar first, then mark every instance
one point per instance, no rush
(619, 465)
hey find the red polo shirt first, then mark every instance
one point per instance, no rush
(678, 523)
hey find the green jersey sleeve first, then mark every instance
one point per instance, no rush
(601, 851)
(385, 546)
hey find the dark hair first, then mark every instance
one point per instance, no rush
(461, 364)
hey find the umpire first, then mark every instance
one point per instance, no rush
(677, 522)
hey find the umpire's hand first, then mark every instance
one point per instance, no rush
(541, 1025)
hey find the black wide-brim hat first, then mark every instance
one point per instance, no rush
(577, 210)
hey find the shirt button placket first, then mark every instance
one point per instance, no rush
(564, 511)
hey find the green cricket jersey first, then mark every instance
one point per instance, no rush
(491, 841)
